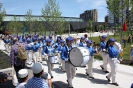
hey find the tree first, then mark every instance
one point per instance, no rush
(41, 28)
(30, 22)
(52, 15)
(90, 27)
(15, 26)
(2, 14)
(62, 26)
(116, 7)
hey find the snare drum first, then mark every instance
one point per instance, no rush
(79, 56)
(53, 59)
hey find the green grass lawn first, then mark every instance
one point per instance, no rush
(125, 50)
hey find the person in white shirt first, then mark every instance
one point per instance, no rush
(23, 76)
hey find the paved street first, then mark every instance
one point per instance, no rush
(124, 77)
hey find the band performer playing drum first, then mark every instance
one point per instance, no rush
(70, 69)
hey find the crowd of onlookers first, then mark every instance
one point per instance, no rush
(40, 79)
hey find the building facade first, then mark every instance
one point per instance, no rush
(90, 15)
(122, 16)
(106, 18)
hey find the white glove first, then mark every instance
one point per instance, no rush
(121, 50)
(56, 51)
(45, 54)
(66, 59)
(59, 51)
(104, 49)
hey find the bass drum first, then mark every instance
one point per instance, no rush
(118, 47)
(79, 56)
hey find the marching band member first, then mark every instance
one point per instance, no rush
(90, 63)
(48, 50)
(70, 69)
(62, 44)
(104, 54)
(40, 49)
(29, 50)
(82, 42)
(57, 43)
(52, 40)
(74, 43)
(131, 55)
(35, 48)
(86, 37)
(112, 51)
(78, 40)
(7, 41)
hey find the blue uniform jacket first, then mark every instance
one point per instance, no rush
(40, 43)
(52, 42)
(56, 45)
(91, 50)
(29, 47)
(112, 51)
(103, 45)
(81, 44)
(7, 41)
(48, 50)
(59, 48)
(64, 53)
(35, 47)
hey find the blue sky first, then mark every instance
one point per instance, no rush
(69, 8)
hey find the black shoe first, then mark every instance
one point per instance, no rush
(52, 77)
(62, 70)
(92, 77)
(70, 87)
(76, 69)
(87, 74)
(67, 82)
(115, 84)
(106, 71)
(108, 78)
(102, 67)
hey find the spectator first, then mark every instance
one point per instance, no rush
(23, 76)
(37, 81)
(131, 55)
(4, 82)
(16, 63)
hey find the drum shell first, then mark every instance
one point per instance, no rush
(79, 56)
(53, 59)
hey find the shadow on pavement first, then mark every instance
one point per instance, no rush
(99, 81)
(44, 64)
(99, 71)
(58, 70)
(59, 84)
(81, 75)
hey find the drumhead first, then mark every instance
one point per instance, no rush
(76, 55)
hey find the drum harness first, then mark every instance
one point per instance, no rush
(68, 51)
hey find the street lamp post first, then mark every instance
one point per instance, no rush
(69, 28)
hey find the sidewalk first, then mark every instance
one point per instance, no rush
(124, 77)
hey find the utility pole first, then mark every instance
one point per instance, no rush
(69, 28)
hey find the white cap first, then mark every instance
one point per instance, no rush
(22, 73)
(37, 68)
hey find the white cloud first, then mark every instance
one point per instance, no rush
(12, 9)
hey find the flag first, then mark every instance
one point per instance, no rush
(124, 26)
